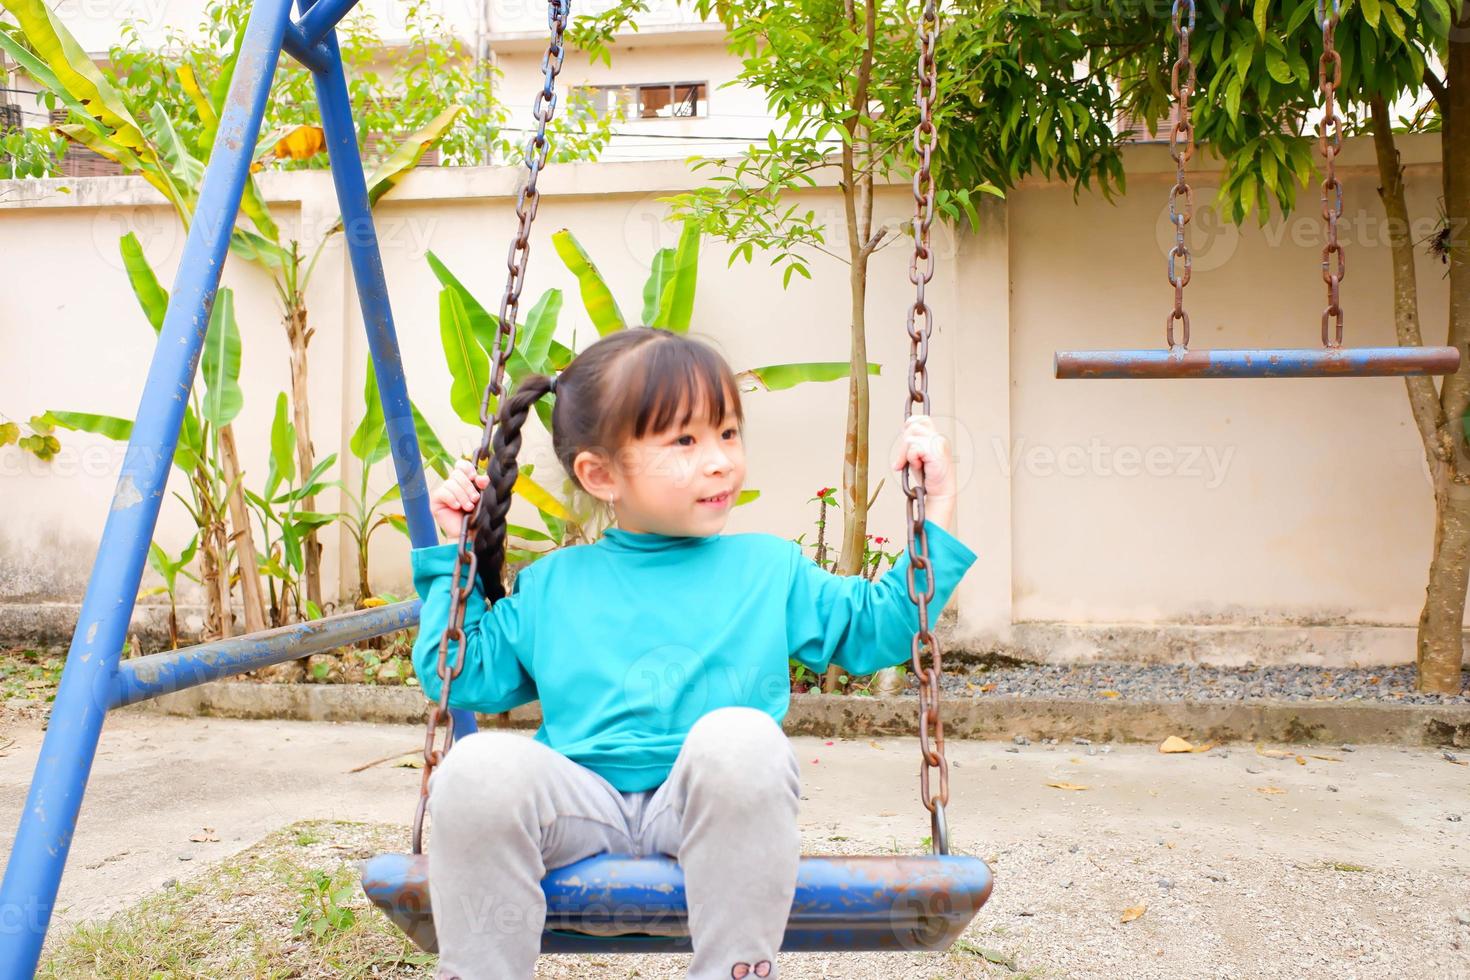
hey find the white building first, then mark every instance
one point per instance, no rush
(669, 77)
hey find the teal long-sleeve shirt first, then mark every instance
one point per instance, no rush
(630, 640)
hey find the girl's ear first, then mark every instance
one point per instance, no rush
(595, 474)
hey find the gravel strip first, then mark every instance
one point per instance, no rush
(1194, 682)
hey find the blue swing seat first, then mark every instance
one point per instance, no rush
(616, 903)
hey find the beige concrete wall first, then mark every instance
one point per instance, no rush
(1100, 509)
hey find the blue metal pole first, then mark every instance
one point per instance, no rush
(162, 673)
(33, 873)
(372, 291)
(377, 313)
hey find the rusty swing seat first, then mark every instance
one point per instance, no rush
(612, 903)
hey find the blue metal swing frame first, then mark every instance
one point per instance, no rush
(93, 682)
(858, 903)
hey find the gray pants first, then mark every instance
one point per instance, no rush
(505, 808)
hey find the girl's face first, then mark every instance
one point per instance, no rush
(682, 481)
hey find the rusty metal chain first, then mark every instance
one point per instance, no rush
(1334, 264)
(920, 325)
(1181, 148)
(465, 564)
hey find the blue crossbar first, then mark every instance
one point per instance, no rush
(1316, 362)
(163, 673)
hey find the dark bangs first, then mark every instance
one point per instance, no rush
(668, 383)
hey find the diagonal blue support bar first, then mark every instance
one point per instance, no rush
(361, 236)
(163, 673)
(33, 873)
(317, 22)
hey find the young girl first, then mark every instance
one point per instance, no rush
(660, 656)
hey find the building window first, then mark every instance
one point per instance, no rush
(655, 100)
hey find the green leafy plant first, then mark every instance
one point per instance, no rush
(169, 569)
(30, 674)
(325, 905)
(370, 446)
(31, 152)
(802, 678)
(285, 525)
(876, 558)
(40, 440)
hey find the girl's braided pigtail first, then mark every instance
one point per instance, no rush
(491, 515)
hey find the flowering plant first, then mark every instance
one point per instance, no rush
(876, 559)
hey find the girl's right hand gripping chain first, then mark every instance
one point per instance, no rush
(457, 497)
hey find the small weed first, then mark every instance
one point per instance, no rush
(30, 674)
(963, 947)
(324, 905)
(1342, 866)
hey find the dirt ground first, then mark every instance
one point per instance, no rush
(1233, 863)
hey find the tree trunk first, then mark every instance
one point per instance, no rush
(857, 213)
(299, 336)
(364, 590)
(855, 458)
(216, 599)
(1439, 642)
(1441, 648)
(209, 576)
(250, 588)
(220, 539)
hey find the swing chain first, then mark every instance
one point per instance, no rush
(1181, 148)
(1334, 262)
(466, 565)
(920, 325)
